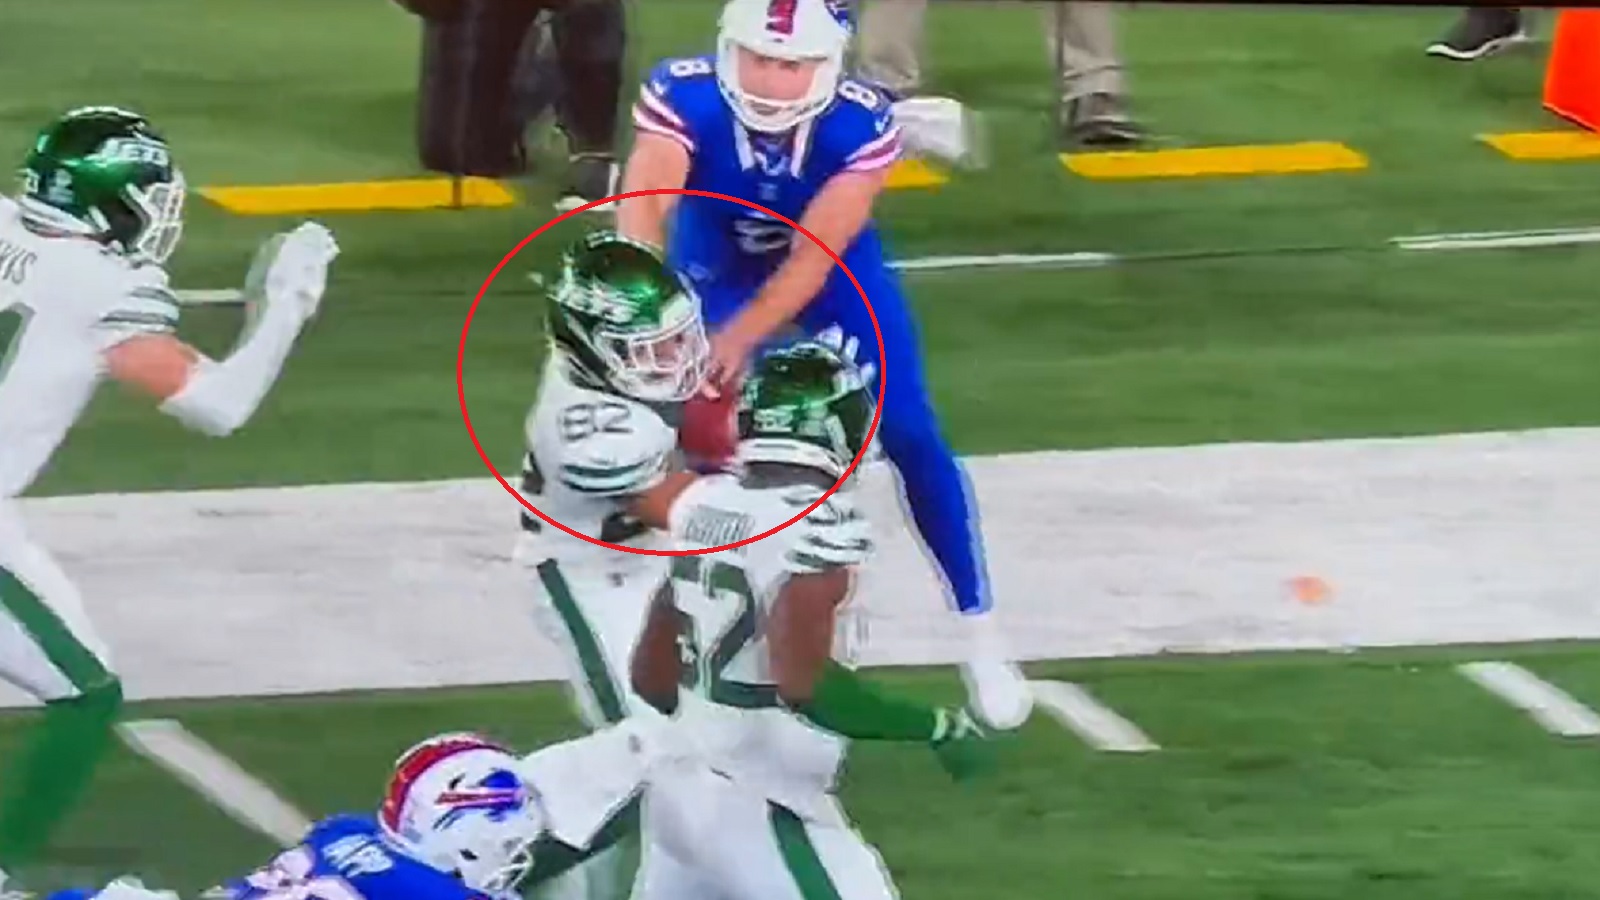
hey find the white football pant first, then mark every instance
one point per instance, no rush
(711, 839)
(48, 647)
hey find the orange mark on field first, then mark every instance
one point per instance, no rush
(1310, 589)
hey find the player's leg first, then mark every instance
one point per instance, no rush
(49, 649)
(590, 38)
(767, 852)
(935, 484)
(595, 618)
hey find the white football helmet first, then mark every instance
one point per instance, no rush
(456, 803)
(783, 29)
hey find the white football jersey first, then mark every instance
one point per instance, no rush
(63, 302)
(588, 452)
(725, 598)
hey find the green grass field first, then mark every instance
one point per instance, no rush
(1283, 777)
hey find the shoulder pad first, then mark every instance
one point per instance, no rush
(621, 449)
(141, 301)
(834, 535)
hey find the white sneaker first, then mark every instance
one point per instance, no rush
(996, 688)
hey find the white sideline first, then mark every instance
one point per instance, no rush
(1479, 240)
(1099, 725)
(1554, 709)
(217, 778)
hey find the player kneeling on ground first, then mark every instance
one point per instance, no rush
(462, 819)
(740, 645)
(83, 296)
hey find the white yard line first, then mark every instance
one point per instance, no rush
(1088, 718)
(1551, 707)
(1084, 260)
(217, 778)
(204, 297)
(1478, 240)
(1498, 240)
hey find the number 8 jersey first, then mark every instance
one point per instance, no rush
(717, 240)
(589, 451)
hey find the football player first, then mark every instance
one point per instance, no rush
(462, 819)
(770, 118)
(740, 646)
(626, 349)
(84, 296)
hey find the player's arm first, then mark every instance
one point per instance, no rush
(663, 145)
(653, 506)
(836, 216)
(213, 397)
(553, 857)
(828, 546)
(800, 636)
(656, 665)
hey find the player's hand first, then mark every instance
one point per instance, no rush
(963, 748)
(730, 352)
(291, 269)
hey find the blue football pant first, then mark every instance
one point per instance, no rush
(935, 484)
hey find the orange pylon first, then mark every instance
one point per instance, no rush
(1572, 76)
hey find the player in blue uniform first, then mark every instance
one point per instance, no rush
(771, 119)
(462, 819)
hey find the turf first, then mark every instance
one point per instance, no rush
(1281, 778)
(1268, 346)
(1305, 776)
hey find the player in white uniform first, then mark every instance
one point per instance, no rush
(626, 348)
(84, 296)
(740, 646)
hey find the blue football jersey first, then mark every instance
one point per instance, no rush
(347, 858)
(719, 241)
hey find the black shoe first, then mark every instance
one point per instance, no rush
(1098, 122)
(590, 177)
(1480, 32)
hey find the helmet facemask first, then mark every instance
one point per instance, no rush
(624, 321)
(160, 206)
(664, 364)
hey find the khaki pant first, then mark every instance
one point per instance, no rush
(48, 647)
(1079, 35)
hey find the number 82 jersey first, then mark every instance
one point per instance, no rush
(716, 239)
(588, 453)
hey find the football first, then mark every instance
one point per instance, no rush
(709, 432)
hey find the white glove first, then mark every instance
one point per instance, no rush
(943, 129)
(834, 339)
(129, 888)
(291, 269)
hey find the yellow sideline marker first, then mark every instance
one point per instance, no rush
(1540, 146)
(1257, 159)
(914, 173)
(358, 196)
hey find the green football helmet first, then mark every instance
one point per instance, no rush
(807, 404)
(624, 321)
(104, 173)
